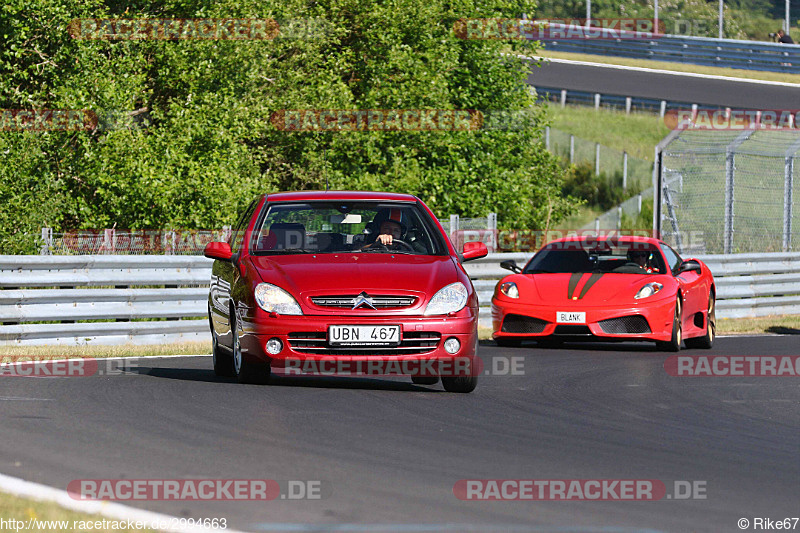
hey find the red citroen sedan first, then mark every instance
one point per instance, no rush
(341, 282)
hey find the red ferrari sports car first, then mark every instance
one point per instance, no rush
(330, 280)
(616, 288)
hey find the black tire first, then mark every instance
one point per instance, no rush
(424, 380)
(508, 342)
(462, 384)
(223, 359)
(674, 344)
(245, 370)
(706, 341)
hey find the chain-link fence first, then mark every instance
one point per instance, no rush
(636, 174)
(635, 213)
(730, 191)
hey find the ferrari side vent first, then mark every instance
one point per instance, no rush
(625, 324)
(523, 324)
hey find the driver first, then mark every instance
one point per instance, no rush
(389, 231)
(641, 258)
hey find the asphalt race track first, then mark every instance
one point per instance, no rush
(388, 453)
(714, 92)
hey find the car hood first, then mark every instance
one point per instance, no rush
(306, 275)
(586, 288)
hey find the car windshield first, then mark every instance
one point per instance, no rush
(579, 257)
(353, 227)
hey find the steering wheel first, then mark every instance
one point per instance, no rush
(394, 241)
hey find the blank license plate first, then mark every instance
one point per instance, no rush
(570, 317)
(364, 335)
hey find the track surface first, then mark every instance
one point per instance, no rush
(390, 452)
(604, 80)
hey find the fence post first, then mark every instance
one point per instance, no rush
(627, 105)
(663, 109)
(571, 148)
(694, 112)
(47, 241)
(563, 97)
(730, 170)
(108, 241)
(453, 228)
(547, 137)
(619, 216)
(788, 185)
(596, 101)
(624, 171)
(640, 203)
(597, 225)
(596, 159)
(491, 224)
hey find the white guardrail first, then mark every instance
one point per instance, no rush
(107, 299)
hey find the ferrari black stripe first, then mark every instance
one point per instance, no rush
(588, 285)
(574, 279)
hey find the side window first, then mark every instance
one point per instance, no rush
(673, 259)
(237, 235)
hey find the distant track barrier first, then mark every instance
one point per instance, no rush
(114, 299)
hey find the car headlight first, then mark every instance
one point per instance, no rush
(273, 299)
(509, 288)
(648, 290)
(449, 299)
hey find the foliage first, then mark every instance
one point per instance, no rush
(601, 190)
(185, 139)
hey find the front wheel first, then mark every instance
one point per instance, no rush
(707, 340)
(674, 344)
(223, 360)
(462, 383)
(245, 370)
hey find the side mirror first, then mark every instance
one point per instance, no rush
(690, 265)
(511, 265)
(218, 250)
(474, 250)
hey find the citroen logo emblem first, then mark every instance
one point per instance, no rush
(362, 299)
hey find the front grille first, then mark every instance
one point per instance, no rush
(413, 342)
(522, 324)
(380, 302)
(625, 324)
(572, 329)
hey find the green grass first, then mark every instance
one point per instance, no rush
(636, 133)
(23, 509)
(676, 67)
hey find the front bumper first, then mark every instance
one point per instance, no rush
(305, 344)
(658, 315)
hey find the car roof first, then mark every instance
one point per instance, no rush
(306, 196)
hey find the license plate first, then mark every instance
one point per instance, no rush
(342, 335)
(570, 317)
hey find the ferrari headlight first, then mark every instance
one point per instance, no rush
(509, 288)
(450, 299)
(648, 290)
(273, 299)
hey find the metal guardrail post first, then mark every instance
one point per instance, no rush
(563, 97)
(596, 159)
(627, 105)
(788, 185)
(571, 149)
(663, 109)
(624, 171)
(596, 101)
